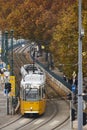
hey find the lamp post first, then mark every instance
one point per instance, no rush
(3, 45)
(6, 60)
(6, 48)
(12, 52)
(80, 77)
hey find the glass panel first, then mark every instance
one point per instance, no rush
(43, 92)
(32, 94)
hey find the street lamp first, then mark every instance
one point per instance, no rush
(3, 48)
(6, 48)
(80, 77)
(81, 33)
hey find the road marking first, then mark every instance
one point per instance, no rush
(39, 121)
(54, 123)
(23, 121)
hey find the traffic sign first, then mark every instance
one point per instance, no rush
(73, 88)
(1, 66)
(6, 91)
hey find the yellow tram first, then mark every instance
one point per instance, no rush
(32, 90)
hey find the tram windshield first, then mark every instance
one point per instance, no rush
(32, 94)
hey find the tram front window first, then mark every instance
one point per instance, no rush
(32, 94)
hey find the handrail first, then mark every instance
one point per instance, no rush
(56, 76)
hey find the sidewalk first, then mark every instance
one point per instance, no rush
(75, 125)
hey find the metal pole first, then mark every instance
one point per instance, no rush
(71, 123)
(7, 102)
(6, 47)
(80, 81)
(12, 52)
(2, 51)
(12, 70)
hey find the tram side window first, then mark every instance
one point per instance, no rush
(22, 93)
(24, 97)
(43, 92)
(27, 93)
(40, 95)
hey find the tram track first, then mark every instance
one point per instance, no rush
(17, 124)
(10, 122)
(44, 119)
(51, 119)
(50, 115)
(24, 123)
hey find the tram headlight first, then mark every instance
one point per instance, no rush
(30, 108)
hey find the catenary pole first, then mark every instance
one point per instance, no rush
(6, 48)
(12, 70)
(80, 77)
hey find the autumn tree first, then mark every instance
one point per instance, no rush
(64, 43)
(48, 21)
